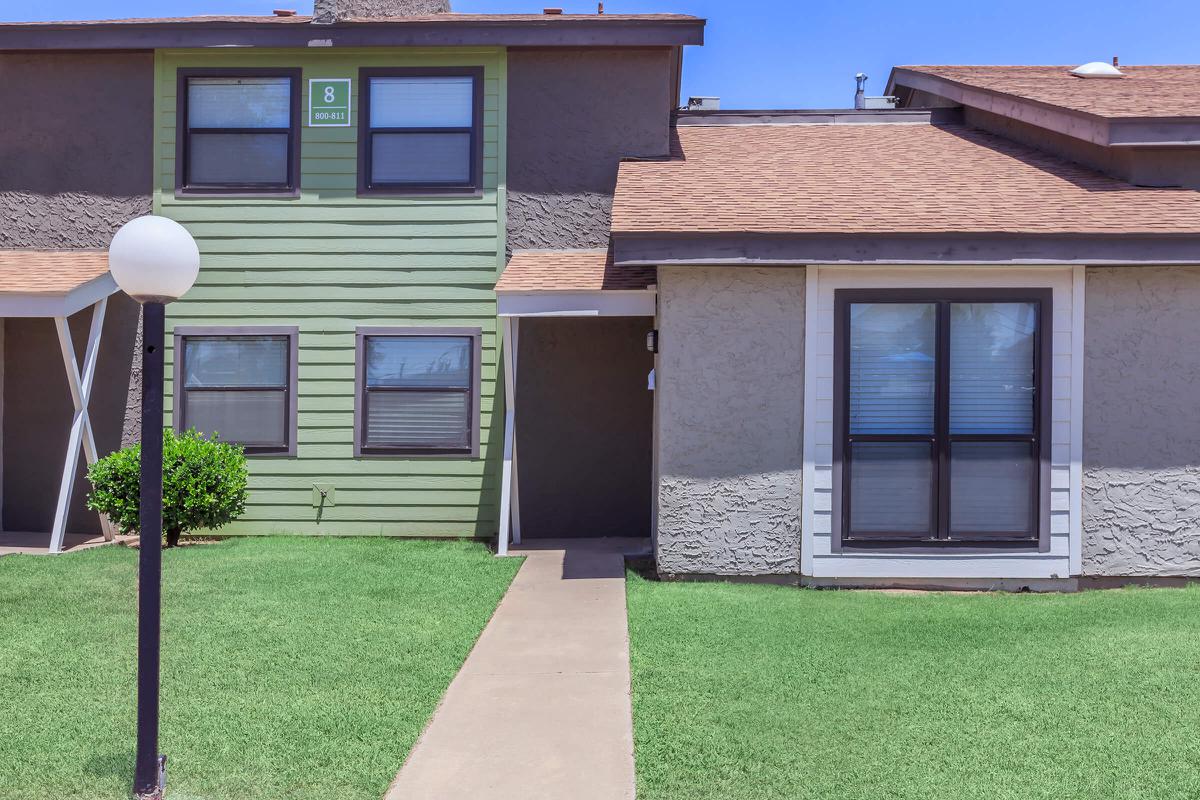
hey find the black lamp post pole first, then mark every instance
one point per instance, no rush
(148, 773)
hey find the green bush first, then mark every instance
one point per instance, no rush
(204, 484)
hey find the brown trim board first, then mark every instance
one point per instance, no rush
(584, 31)
(657, 249)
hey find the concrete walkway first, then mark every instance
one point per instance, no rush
(541, 707)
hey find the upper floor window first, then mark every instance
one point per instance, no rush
(420, 130)
(238, 132)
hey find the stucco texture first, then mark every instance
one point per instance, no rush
(572, 115)
(75, 149)
(1141, 487)
(730, 383)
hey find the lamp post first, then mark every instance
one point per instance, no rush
(154, 260)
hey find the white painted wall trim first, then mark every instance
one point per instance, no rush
(510, 526)
(600, 303)
(809, 470)
(818, 558)
(1078, 292)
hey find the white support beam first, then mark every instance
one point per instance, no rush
(1078, 343)
(511, 386)
(81, 436)
(508, 331)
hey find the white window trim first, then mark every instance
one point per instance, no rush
(1066, 435)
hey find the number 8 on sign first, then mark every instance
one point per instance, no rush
(328, 102)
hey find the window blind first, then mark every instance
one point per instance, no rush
(992, 367)
(235, 361)
(421, 157)
(422, 102)
(417, 419)
(417, 392)
(892, 367)
(239, 102)
(237, 387)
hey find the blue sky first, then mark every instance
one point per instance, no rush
(804, 53)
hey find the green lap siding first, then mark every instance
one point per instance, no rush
(328, 262)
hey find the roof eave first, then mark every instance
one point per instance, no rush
(1105, 131)
(640, 248)
(57, 304)
(585, 32)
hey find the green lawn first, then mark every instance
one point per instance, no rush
(751, 691)
(292, 667)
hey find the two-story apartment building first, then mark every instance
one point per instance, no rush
(475, 275)
(355, 186)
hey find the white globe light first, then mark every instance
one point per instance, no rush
(154, 259)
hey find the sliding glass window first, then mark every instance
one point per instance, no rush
(942, 406)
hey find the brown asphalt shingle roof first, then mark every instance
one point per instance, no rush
(570, 271)
(1149, 91)
(49, 272)
(880, 179)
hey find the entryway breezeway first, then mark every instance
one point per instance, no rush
(579, 421)
(47, 426)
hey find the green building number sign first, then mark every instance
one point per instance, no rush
(328, 102)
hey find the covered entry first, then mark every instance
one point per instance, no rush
(67, 350)
(579, 420)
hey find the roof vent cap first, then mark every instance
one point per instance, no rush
(703, 103)
(1097, 69)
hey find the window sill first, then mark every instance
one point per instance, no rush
(918, 548)
(418, 193)
(234, 194)
(395, 455)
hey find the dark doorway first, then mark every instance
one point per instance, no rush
(584, 426)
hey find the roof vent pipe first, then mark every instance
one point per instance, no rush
(860, 93)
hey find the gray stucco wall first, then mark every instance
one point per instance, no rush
(572, 115)
(75, 146)
(730, 384)
(1141, 487)
(37, 412)
(584, 427)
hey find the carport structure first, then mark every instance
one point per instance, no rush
(53, 285)
(575, 380)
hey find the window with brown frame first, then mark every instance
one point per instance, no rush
(239, 384)
(238, 131)
(417, 391)
(419, 130)
(942, 406)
